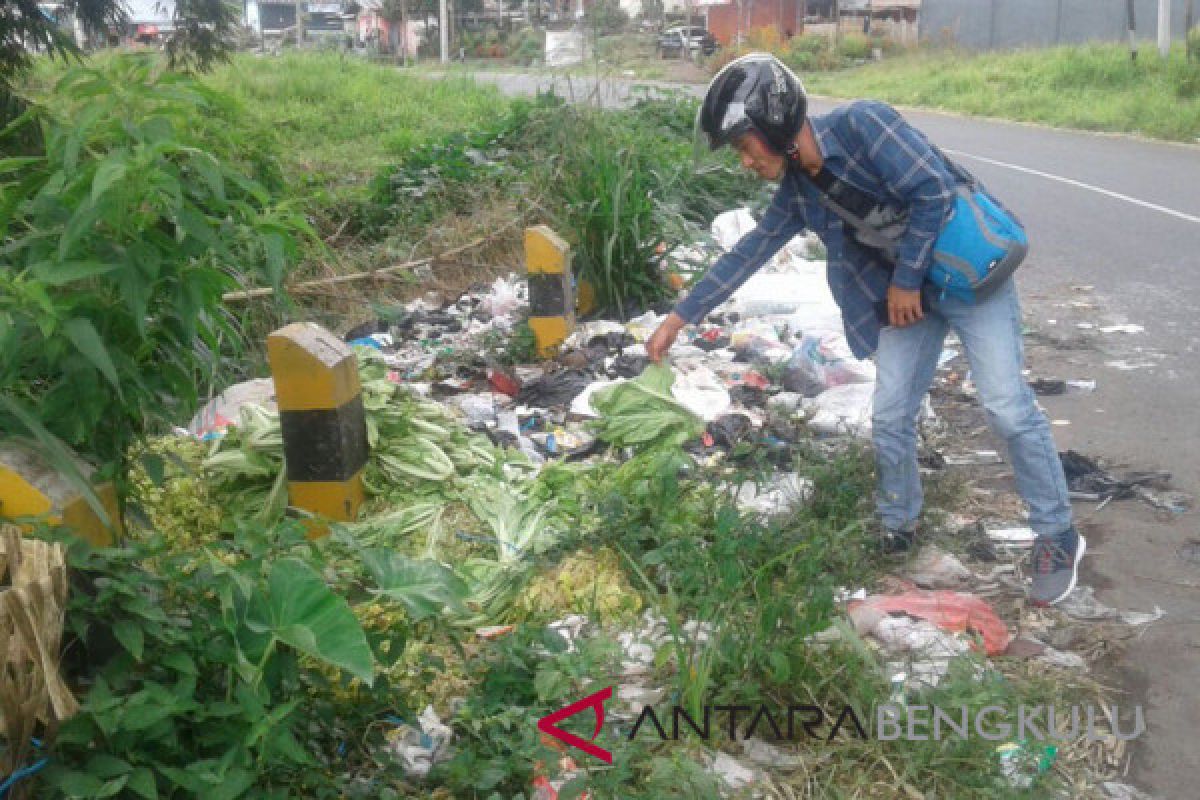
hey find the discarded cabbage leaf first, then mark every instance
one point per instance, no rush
(583, 583)
(642, 412)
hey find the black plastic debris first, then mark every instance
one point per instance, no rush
(628, 366)
(555, 389)
(592, 448)
(931, 459)
(1087, 480)
(748, 396)
(708, 345)
(611, 342)
(366, 329)
(438, 319)
(1048, 386)
(501, 438)
(728, 430)
(802, 380)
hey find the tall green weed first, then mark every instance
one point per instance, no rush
(619, 185)
(148, 201)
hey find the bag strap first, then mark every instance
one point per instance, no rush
(961, 173)
(827, 184)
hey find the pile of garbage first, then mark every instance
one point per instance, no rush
(769, 367)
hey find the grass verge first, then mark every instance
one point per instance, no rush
(1092, 87)
(339, 120)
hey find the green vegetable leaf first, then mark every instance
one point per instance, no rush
(642, 412)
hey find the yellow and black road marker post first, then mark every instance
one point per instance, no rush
(322, 418)
(551, 296)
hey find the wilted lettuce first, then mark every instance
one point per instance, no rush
(642, 413)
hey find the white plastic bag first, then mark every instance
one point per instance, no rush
(843, 409)
(699, 390)
(505, 297)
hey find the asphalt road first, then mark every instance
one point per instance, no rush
(1114, 225)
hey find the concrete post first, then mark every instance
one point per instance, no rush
(322, 419)
(551, 298)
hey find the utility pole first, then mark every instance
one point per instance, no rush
(444, 30)
(299, 23)
(1187, 30)
(1164, 28)
(687, 32)
(403, 33)
(1131, 24)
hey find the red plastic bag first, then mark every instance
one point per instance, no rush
(951, 611)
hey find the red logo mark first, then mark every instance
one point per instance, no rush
(549, 724)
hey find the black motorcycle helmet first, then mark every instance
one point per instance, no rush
(755, 92)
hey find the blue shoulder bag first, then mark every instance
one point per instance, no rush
(979, 247)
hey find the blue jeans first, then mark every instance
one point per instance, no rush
(907, 358)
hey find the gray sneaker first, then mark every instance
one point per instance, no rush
(1055, 566)
(896, 543)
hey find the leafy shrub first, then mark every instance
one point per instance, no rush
(527, 47)
(1184, 77)
(148, 202)
(617, 184)
(766, 39)
(809, 53)
(855, 46)
(622, 186)
(606, 16)
(442, 176)
(805, 53)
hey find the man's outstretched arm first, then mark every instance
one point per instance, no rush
(779, 224)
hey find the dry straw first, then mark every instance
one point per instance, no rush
(33, 599)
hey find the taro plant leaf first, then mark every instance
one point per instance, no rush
(301, 611)
(425, 588)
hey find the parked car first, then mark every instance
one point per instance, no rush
(670, 42)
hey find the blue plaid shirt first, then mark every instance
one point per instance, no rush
(867, 144)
